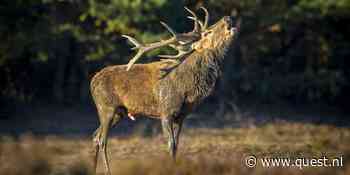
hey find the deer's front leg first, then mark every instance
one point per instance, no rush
(171, 102)
(177, 130)
(168, 130)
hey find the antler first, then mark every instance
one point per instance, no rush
(206, 19)
(180, 42)
(143, 48)
(196, 21)
(182, 50)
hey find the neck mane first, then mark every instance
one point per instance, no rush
(196, 76)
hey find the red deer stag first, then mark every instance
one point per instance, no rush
(168, 89)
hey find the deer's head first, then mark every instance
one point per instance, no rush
(217, 36)
(202, 38)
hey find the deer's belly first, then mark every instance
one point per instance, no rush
(134, 89)
(141, 104)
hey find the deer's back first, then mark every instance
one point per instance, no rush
(134, 89)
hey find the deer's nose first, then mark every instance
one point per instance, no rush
(228, 20)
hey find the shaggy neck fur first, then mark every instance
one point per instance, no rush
(196, 76)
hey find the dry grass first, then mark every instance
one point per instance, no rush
(202, 151)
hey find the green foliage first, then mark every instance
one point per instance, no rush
(109, 19)
(326, 7)
(294, 50)
(290, 49)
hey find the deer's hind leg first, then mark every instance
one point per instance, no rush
(96, 138)
(108, 117)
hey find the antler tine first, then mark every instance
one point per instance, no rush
(181, 49)
(143, 48)
(196, 23)
(195, 19)
(168, 28)
(206, 20)
(177, 41)
(178, 55)
(134, 59)
(134, 41)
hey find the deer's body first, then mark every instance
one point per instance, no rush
(131, 94)
(150, 94)
(159, 90)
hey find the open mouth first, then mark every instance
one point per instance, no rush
(233, 29)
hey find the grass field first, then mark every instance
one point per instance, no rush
(202, 151)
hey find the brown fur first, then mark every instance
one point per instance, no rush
(161, 90)
(139, 90)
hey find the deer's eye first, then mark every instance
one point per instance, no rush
(207, 33)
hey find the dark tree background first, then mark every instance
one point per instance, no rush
(290, 52)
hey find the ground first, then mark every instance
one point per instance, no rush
(202, 151)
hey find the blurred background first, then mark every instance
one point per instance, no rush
(283, 92)
(290, 62)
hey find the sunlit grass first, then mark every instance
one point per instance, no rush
(202, 151)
